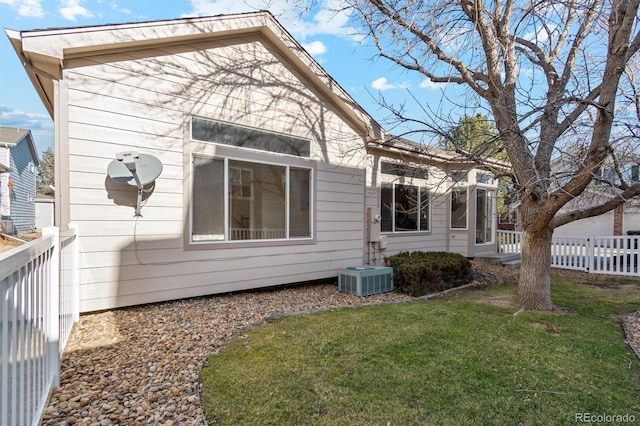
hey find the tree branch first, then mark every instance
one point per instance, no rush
(619, 199)
(468, 76)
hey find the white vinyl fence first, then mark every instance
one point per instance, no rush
(39, 289)
(615, 255)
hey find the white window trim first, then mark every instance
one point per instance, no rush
(494, 215)
(393, 216)
(466, 217)
(230, 123)
(226, 242)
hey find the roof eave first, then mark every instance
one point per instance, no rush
(33, 149)
(448, 160)
(37, 77)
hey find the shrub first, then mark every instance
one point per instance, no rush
(419, 273)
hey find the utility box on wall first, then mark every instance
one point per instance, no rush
(373, 224)
(366, 280)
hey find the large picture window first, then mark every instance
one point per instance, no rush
(236, 200)
(404, 208)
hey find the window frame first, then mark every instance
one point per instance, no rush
(456, 188)
(484, 178)
(419, 190)
(249, 129)
(492, 194)
(230, 153)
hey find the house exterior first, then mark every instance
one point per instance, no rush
(271, 172)
(18, 170)
(623, 220)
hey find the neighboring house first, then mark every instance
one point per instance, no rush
(272, 173)
(18, 170)
(620, 221)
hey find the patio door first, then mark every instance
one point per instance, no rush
(485, 200)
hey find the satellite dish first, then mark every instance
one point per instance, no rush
(134, 169)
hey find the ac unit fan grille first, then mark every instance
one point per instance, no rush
(366, 280)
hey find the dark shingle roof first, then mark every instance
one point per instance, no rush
(12, 135)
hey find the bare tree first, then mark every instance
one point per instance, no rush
(555, 75)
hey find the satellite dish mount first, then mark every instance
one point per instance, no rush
(134, 169)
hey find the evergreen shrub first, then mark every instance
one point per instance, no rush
(418, 273)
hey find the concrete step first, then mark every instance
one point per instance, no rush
(512, 264)
(499, 258)
(508, 260)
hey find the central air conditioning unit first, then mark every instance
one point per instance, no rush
(365, 280)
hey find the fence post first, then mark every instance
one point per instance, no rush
(75, 256)
(53, 291)
(590, 256)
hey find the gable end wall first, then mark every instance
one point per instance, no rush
(143, 101)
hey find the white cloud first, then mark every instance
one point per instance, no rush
(72, 9)
(29, 8)
(315, 48)
(41, 125)
(428, 84)
(25, 120)
(320, 20)
(328, 18)
(219, 7)
(382, 84)
(124, 10)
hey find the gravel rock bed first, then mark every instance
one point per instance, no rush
(141, 365)
(631, 325)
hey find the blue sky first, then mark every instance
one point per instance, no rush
(326, 36)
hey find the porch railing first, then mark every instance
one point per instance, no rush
(256, 234)
(39, 289)
(615, 255)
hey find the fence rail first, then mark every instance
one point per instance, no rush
(615, 255)
(39, 289)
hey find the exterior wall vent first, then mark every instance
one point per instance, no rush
(366, 280)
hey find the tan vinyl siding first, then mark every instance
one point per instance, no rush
(459, 242)
(142, 101)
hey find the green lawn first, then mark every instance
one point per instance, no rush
(452, 361)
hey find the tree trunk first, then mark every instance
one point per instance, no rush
(534, 285)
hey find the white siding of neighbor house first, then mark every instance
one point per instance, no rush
(143, 101)
(599, 225)
(631, 220)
